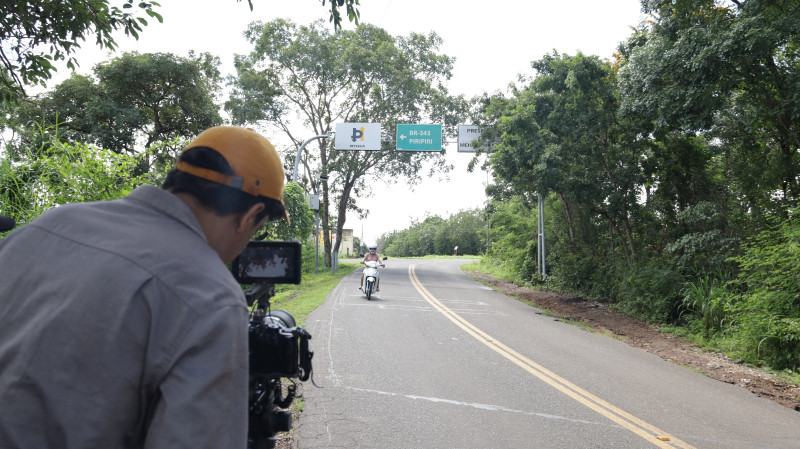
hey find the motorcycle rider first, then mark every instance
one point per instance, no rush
(371, 256)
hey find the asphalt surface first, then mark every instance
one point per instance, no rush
(437, 360)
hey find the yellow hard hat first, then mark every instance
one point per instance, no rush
(257, 168)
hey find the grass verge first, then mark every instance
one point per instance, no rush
(302, 299)
(497, 271)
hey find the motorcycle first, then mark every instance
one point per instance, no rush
(370, 278)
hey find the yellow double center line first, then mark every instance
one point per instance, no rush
(647, 431)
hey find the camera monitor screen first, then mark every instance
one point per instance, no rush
(274, 262)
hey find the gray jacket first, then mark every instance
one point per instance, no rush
(120, 328)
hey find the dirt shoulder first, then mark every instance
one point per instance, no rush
(640, 334)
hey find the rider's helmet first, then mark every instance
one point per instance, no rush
(373, 249)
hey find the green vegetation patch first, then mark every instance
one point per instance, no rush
(302, 299)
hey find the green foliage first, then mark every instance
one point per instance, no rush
(679, 174)
(353, 14)
(730, 71)
(493, 268)
(561, 134)
(770, 261)
(704, 247)
(651, 291)
(136, 101)
(513, 236)
(705, 301)
(767, 339)
(438, 236)
(60, 173)
(300, 216)
(581, 274)
(35, 34)
(767, 312)
(310, 257)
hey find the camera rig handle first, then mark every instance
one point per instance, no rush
(305, 354)
(259, 292)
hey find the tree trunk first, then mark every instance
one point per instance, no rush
(348, 188)
(326, 222)
(326, 226)
(625, 243)
(629, 234)
(570, 225)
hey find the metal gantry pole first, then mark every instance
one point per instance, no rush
(294, 179)
(300, 151)
(316, 241)
(541, 250)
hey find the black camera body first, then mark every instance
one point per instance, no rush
(278, 347)
(286, 344)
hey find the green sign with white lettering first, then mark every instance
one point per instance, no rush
(419, 137)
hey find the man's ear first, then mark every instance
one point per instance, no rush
(249, 219)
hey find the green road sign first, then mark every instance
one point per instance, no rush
(418, 137)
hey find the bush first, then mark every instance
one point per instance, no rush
(651, 291)
(61, 173)
(768, 339)
(704, 247)
(767, 313)
(704, 302)
(513, 237)
(310, 257)
(580, 273)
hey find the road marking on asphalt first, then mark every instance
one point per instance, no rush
(645, 430)
(424, 309)
(487, 407)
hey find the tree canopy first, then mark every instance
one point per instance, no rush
(670, 175)
(303, 79)
(731, 73)
(34, 34)
(133, 102)
(461, 233)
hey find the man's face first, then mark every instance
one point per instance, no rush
(241, 240)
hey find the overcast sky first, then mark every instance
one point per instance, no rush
(493, 42)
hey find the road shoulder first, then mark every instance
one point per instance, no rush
(600, 318)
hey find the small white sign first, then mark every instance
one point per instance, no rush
(466, 134)
(358, 136)
(313, 201)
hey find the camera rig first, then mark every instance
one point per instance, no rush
(278, 349)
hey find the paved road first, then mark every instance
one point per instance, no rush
(438, 360)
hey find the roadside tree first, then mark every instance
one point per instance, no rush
(727, 71)
(301, 80)
(35, 34)
(560, 134)
(134, 102)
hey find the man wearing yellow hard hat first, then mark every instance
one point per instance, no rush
(120, 324)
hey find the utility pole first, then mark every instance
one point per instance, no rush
(540, 254)
(294, 179)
